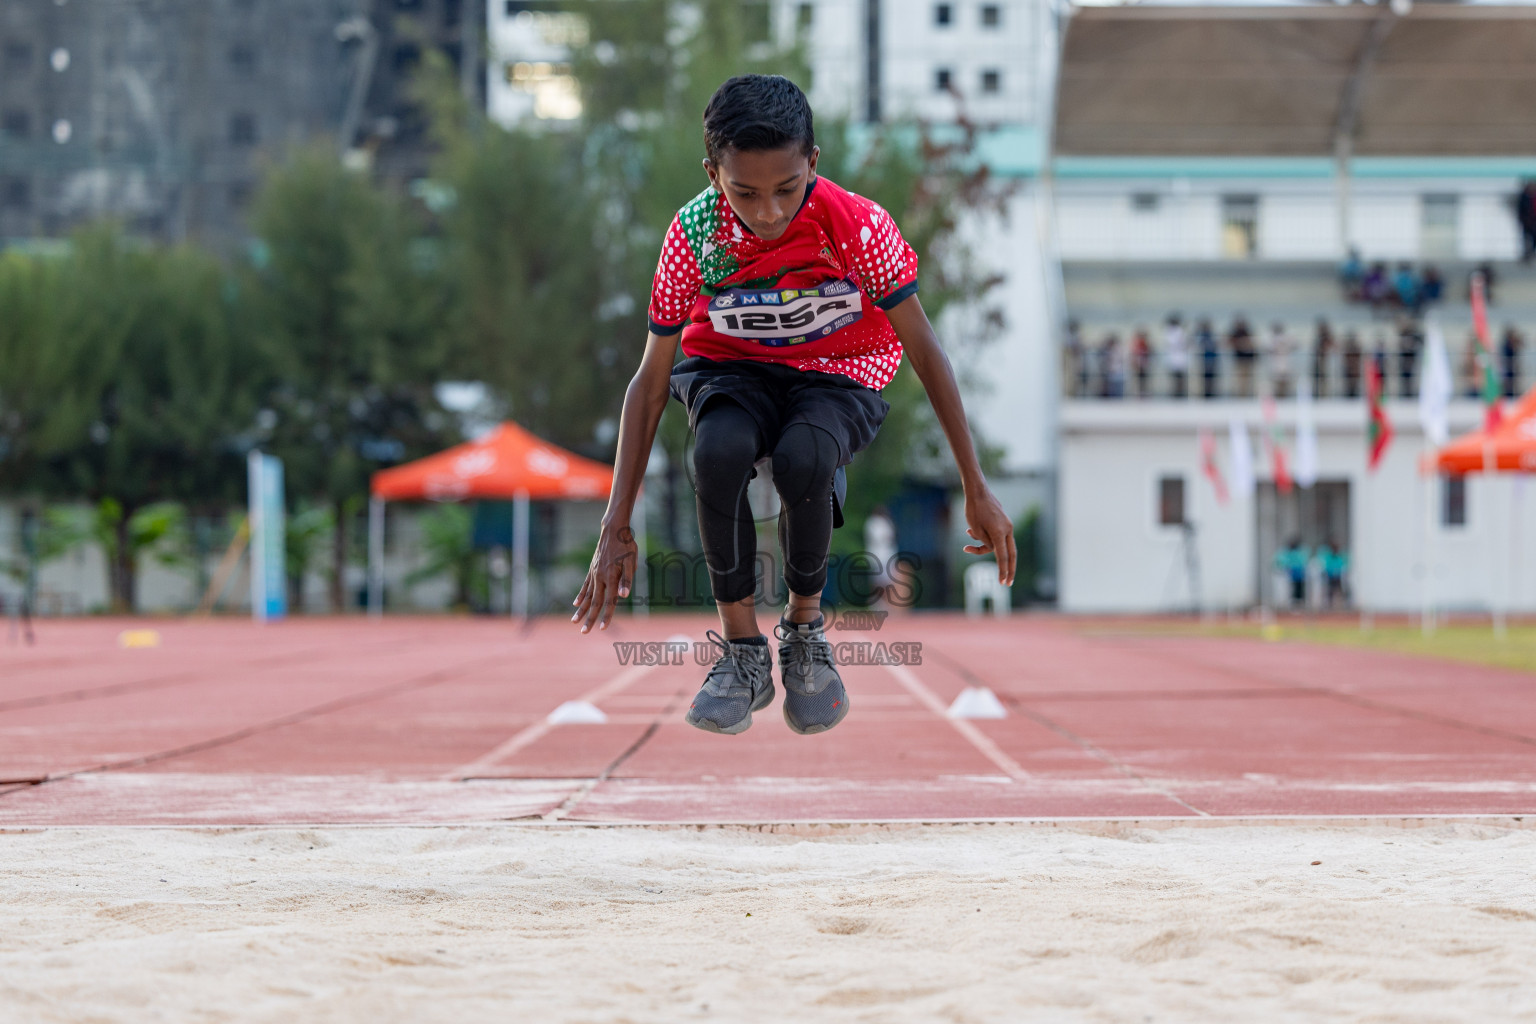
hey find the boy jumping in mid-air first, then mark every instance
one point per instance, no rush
(795, 301)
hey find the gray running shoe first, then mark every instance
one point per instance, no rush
(814, 698)
(739, 683)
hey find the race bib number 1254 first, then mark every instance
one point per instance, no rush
(786, 316)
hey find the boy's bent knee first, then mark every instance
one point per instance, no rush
(725, 442)
(804, 462)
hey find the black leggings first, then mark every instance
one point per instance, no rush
(728, 442)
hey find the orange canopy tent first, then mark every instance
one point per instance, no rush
(506, 463)
(1510, 449)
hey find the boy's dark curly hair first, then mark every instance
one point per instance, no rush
(754, 112)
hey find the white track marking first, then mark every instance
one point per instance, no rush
(975, 736)
(532, 733)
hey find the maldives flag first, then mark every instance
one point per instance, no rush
(1272, 439)
(1208, 465)
(1378, 432)
(1493, 413)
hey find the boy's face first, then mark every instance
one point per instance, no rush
(764, 186)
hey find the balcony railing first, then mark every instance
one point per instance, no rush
(1093, 374)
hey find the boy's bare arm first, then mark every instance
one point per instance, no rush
(985, 520)
(613, 563)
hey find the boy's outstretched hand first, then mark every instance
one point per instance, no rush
(987, 523)
(609, 578)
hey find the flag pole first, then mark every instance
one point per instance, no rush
(1496, 606)
(1516, 494)
(1491, 417)
(1517, 549)
(1357, 544)
(1427, 614)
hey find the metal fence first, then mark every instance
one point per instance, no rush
(1092, 370)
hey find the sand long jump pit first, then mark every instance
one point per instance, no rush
(339, 821)
(1417, 921)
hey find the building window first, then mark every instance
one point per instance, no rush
(18, 57)
(1145, 202)
(1453, 507)
(805, 16)
(406, 58)
(1439, 220)
(1239, 227)
(943, 80)
(991, 81)
(242, 59)
(15, 124)
(943, 14)
(16, 193)
(1170, 501)
(242, 129)
(991, 15)
(552, 86)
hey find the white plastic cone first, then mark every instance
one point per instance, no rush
(977, 702)
(577, 712)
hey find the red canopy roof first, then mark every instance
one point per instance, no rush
(1514, 443)
(498, 465)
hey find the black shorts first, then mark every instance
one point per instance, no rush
(777, 395)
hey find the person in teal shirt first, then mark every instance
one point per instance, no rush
(1292, 560)
(1334, 562)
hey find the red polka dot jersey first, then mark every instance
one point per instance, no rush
(736, 296)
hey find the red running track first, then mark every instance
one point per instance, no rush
(423, 720)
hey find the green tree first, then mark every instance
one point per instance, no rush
(304, 533)
(530, 253)
(347, 303)
(153, 389)
(59, 348)
(51, 535)
(447, 545)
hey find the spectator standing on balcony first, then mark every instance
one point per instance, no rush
(1353, 357)
(1472, 367)
(1409, 341)
(1509, 358)
(1379, 357)
(1322, 354)
(1489, 277)
(1210, 357)
(1141, 360)
(1405, 288)
(1352, 275)
(1431, 286)
(1282, 359)
(1375, 288)
(1176, 356)
(1240, 341)
(1077, 360)
(1112, 367)
(1525, 213)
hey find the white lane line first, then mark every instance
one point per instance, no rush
(536, 731)
(977, 738)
